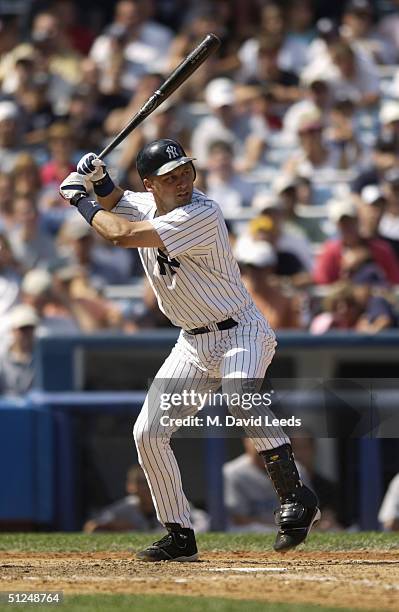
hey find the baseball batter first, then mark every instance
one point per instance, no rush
(224, 340)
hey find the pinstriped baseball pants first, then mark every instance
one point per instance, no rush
(229, 359)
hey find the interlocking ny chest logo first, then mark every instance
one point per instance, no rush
(172, 152)
(163, 261)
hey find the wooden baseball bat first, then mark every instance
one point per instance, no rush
(178, 76)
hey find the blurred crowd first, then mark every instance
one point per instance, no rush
(294, 123)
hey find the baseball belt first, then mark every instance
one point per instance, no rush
(227, 324)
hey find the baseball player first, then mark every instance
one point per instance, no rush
(224, 340)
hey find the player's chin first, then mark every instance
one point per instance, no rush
(184, 198)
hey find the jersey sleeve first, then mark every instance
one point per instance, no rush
(132, 206)
(187, 227)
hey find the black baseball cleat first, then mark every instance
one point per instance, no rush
(295, 518)
(177, 545)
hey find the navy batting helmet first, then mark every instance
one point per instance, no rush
(159, 157)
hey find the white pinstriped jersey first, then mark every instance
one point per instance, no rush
(197, 280)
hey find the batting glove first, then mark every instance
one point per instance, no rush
(73, 188)
(91, 167)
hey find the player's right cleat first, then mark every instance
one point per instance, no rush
(177, 545)
(295, 518)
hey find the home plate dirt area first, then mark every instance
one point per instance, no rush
(348, 579)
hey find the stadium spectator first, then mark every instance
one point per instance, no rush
(90, 310)
(341, 135)
(301, 31)
(10, 31)
(352, 78)
(349, 247)
(292, 52)
(136, 512)
(283, 84)
(16, 362)
(201, 19)
(33, 96)
(26, 177)
(130, 47)
(77, 246)
(257, 261)
(54, 315)
(359, 30)
(389, 224)
(32, 246)
(388, 27)
(317, 56)
(78, 35)
(317, 99)
(261, 103)
(10, 137)
(294, 257)
(389, 122)
(383, 159)
(304, 190)
(223, 184)
(85, 115)
(51, 56)
(224, 123)
(61, 148)
(287, 189)
(349, 73)
(10, 277)
(389, 511)
(6, 198)
(371, 206)
(314, 156)
(354, 307)
(149, 316)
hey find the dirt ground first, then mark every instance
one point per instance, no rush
(349, 579)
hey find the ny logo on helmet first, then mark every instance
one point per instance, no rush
(171, 151)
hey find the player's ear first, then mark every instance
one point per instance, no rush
(147, 184)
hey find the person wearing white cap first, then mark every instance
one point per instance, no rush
(389, 121)
(317, 98)
(16, 363)
(330, 262)
(36, 292)
(371, 207)
(257, 260)
(225, 124)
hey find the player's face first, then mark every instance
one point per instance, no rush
(173, 189)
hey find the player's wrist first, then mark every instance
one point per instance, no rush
(88, 208)
(104, 187)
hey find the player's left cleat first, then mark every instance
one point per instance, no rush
(295, 518)
(177, 545)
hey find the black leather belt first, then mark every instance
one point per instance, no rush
(227, 324)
